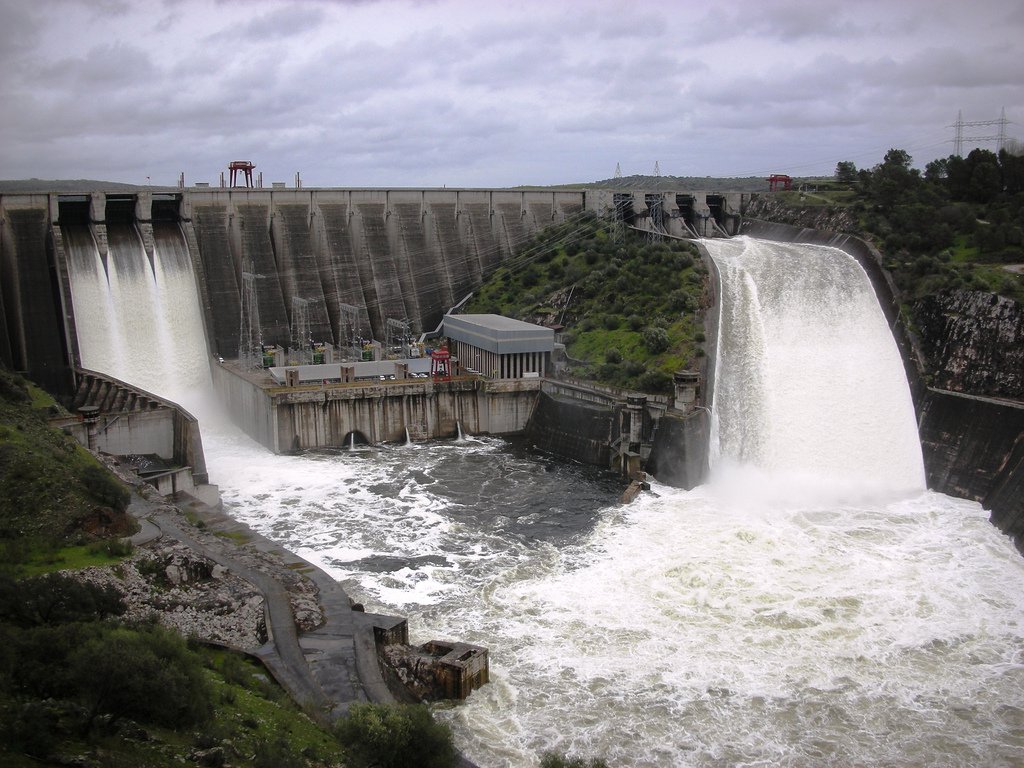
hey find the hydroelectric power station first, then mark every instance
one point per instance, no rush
(278, 268)
(812, 602)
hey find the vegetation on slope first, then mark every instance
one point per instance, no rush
(79, 686)
(50, 487)
(956, 225)
(632, 311)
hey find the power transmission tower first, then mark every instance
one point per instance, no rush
(960, 124)
(657, 168)
(250, 334)
(350, 329)
(302, 337)
(618, 171)
(399, 337)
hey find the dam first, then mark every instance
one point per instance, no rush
(812, 603)
(355, 258)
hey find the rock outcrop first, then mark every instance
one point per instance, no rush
(974, 342)
(828, 218)
(187, 593)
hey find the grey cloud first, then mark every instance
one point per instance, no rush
(279, 23)
(20, 25)
(794, 21)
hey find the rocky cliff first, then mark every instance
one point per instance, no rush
(973, 342)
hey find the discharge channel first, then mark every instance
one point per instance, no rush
(812, 604)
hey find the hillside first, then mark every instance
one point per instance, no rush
(52, 491)
(630, 311)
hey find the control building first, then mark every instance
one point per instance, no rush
(499, 347)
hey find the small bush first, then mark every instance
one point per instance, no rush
(680, 301)
(633, 368)
(612, 355)
(656, 340)
(399, 736)
(655, 382)
(56, 599)
(105, 488)
(608, 372)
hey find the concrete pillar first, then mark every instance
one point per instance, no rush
(90, 417)
(686, 385)
(635, 409)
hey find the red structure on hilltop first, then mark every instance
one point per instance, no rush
(779, 180)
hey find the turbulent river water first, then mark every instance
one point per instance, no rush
(812, 604)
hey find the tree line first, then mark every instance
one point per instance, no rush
(935, 226)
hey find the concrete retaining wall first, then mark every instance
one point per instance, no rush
(679, 455)
(32, 321)
(974, 448)
(288, 419)
(573, 428)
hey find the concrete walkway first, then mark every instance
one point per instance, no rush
(324, 670)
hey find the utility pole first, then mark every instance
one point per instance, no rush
(349, 328)
(302, 341)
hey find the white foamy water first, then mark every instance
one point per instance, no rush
(812, 605)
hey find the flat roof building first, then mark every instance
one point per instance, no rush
(499, 347)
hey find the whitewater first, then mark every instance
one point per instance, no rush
(813, 603)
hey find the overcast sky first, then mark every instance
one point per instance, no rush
(485, 93)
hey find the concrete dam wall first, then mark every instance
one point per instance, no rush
(387, 255)
(357, 258)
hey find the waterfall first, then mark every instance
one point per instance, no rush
(810, 386)
(138, 321)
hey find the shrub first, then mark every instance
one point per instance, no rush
(56, 599)
(105, 488)
(680, 301)
(147, 674)
(656, 339)
(395, 736)
(608, 372)
(655, 382)
(612, 355)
